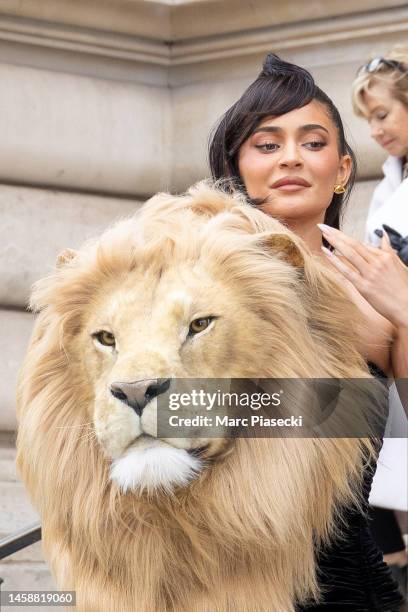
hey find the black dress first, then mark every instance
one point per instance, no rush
(352, 574)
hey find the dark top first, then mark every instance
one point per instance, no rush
(352, 574)
(386, 530)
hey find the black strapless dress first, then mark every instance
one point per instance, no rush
(352, 574)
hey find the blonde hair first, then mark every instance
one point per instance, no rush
(395, 79)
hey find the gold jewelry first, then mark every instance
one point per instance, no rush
(339, 188)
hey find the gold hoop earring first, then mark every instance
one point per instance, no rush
(338, 189)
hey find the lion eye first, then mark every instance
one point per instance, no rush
(199, 325)
(105, 338)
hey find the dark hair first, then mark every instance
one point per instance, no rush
(280, 88)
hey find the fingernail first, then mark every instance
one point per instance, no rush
(324, 228)
(326, 251)
(379, 233)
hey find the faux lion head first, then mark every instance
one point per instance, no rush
(196, 286)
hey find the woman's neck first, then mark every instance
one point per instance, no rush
(309, 232)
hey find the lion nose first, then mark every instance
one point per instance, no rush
(138, 394)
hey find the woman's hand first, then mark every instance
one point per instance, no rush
(377, 273)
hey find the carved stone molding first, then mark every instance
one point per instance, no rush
(180, 33)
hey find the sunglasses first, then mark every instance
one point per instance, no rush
(374, 65)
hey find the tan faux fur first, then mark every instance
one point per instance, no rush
(240, 536)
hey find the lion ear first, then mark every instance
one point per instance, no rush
(285, 247)
(65, 256)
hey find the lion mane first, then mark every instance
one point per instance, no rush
(241, 533)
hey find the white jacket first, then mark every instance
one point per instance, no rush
(389, 204)
(390, 485)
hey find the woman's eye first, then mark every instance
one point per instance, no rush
(199, 325)
(381, 116)
(105, 338)
(267, 147)
(315, 144)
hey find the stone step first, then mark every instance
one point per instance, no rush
(28, 577)
(26, 569)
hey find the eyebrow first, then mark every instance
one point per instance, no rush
(304, 128)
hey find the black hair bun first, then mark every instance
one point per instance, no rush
(274, 66)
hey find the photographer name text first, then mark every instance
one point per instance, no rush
(226, 421)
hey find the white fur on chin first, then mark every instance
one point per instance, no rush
(154, 467)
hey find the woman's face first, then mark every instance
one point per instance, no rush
(388, 119)
(293, 161)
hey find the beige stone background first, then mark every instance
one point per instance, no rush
(105, 102)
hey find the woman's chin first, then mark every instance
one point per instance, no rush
(396, 150)
(293, 208)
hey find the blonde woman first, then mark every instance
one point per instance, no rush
(380, 95)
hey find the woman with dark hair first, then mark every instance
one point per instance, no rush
(283, 144)
(279, 89)
(285, 129)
